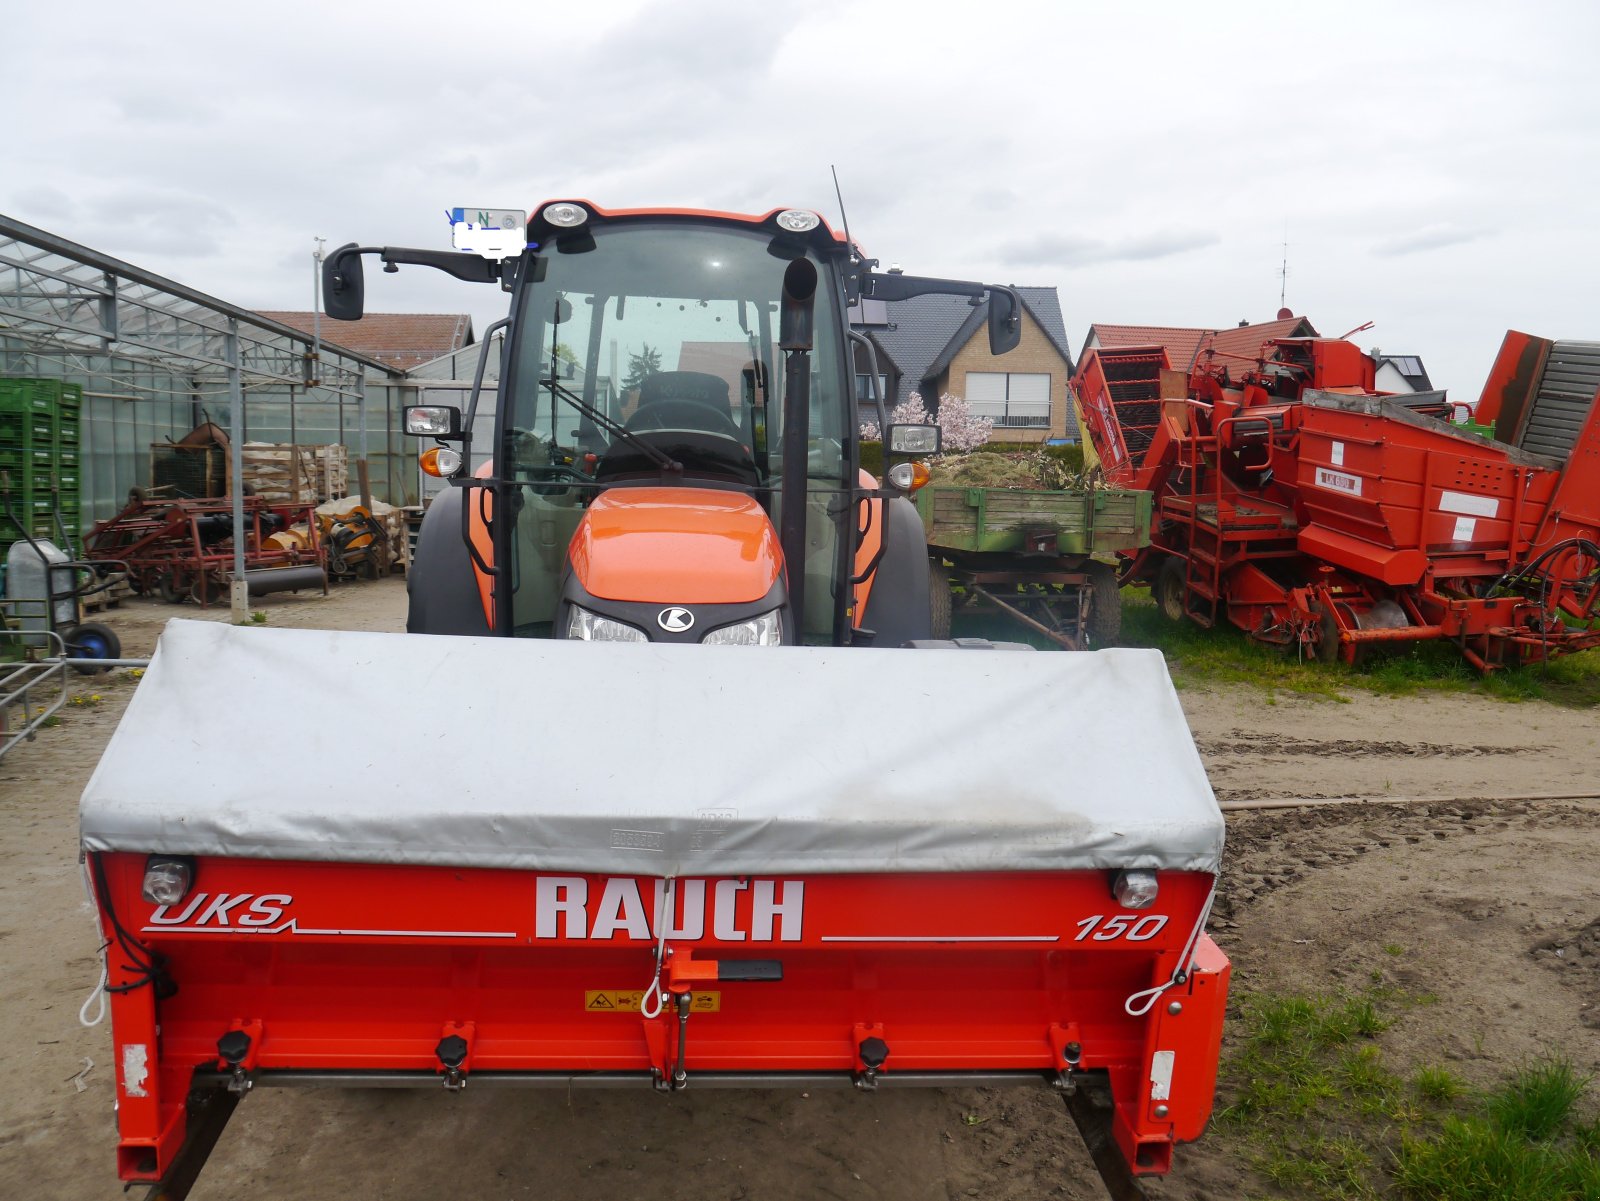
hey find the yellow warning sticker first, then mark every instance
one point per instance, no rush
(627, 1000)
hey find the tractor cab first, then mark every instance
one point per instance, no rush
(675, 451)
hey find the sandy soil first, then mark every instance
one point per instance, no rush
(1492, 906)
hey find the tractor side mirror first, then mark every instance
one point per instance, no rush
(1005, 320)
(343, 284)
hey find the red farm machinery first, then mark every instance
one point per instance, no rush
(184, 548)
(1295, 501)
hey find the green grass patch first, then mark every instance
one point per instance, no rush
(1225, 655)
(1438, 1086)
(1319, 1111)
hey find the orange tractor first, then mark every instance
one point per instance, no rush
(675, 457)
(670, 865)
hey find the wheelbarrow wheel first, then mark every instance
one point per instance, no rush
(91, 640)
(1105, 606)
(939, 599)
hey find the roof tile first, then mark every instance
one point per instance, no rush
(401, 340)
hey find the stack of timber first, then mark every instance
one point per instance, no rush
(281, 472)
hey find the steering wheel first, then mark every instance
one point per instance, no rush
(680, 414)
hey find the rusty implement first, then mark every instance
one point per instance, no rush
(184, 549)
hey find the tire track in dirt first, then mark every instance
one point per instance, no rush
(1255, 743)
(1270, 850)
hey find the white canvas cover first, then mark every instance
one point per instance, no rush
(650, 759)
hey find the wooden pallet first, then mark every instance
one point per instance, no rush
(281, 472)
(111, 597)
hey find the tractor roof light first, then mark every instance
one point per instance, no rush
(798, 221)
(1135, 889)
(440, 461)
(565, 215)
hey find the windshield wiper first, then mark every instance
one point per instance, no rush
(659, 457)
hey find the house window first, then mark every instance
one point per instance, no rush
(864, 387)
(1010, 398)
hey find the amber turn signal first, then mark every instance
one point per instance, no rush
(440, 461)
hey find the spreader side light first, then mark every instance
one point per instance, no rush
(798, 221)
(167, 880)
(440, 461)
(565, 216)
(1135, 889)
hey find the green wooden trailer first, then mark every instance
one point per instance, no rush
(1031, 555)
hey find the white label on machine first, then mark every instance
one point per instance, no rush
(135, 1069)
(1338, 481)
(1161, 1074)
(1465, 527)
(1337, 454)
(1472, 506)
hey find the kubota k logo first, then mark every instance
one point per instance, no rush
(675, 620)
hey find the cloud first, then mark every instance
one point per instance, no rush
(1430, 237)
(160, 222)
(1064, 250)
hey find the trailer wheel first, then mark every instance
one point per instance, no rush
(1329, 648)
(91, 640)
(1171, 588)
(205, 590)
(939, 598)
(1105, 606)
(1328, 640)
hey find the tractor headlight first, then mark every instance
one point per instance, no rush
(166, 880)
(766, 630)
(1135, 889)
(592, 627)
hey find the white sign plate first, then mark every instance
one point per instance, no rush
(1338, 481)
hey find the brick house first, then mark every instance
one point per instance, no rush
(936, 344)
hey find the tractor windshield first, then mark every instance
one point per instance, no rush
(645, 347)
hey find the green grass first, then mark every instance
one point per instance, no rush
(1318, 1110)
(1225, 655)
(1539, 1100)
(1526, 1143)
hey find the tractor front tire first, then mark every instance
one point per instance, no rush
(939, 598)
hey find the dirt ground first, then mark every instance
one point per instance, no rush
(1489, 905)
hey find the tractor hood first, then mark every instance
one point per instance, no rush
(684, 546)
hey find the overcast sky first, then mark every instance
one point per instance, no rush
(1434, 167)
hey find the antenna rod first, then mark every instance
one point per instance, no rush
(843, 217)
(1283, 274)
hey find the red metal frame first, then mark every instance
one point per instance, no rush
(162, 539)
(1331, 529)
(366, 967)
